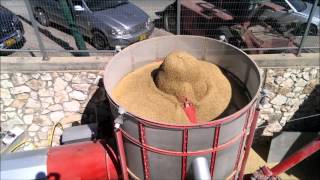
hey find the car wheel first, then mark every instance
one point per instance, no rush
(170, 22)
(225, 31)
(301, 30)
(230, 37)
(99, 41)
(42, 17)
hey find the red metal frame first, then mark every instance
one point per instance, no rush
(184, 152)
(240, 162)
(265, 173)
(177, 153)
(236, 165)
(249, 142)
(145, 160)
(123, 162)
(184, 158)
(297, 157)
(215, 144)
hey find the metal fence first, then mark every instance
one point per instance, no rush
(101, 27)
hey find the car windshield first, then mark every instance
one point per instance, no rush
(298, 4)
(99, 5)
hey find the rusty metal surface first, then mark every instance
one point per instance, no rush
(273, 6)
(164, 142)
(206, 9)
(262, 36)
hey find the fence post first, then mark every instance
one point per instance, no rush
(178, 16)
(36, 30)
(313, 10)
(66, 6)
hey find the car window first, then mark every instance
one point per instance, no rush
(281, 3)
(77, 2)
(98, 5)
(298, 4)
(312, 1)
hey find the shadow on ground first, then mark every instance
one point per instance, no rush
(307, 121)
(98, 111)
(65, 45)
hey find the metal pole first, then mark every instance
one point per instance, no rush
(178, 16)
(313, 10)
(249, 142)
(65, 6)
(200, 169)
(296, 157)
(36, 30)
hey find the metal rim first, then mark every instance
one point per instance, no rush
(227, 119)
(99, 41)
(41, 17)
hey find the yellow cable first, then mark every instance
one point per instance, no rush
(22, 143)
(50, 139)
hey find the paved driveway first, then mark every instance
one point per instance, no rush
(59, 38)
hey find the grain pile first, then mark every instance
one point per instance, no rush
(155, 90)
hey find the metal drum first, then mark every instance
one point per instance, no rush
(165, 151)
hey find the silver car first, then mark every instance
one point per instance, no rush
(108, 23)
(294, 16)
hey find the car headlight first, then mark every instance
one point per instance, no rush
(118, 32)
(148, 23)
(15, 19)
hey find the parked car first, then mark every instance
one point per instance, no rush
(108, 23)
(203, 17)
(234, 22)
(293, 16)
(11, 29)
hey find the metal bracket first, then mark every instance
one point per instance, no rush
(119, 120)
(263, 173)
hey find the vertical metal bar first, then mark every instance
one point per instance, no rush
(313, 10)
(249, 142)
(214, 146)
(240, 150)
(145, 159)
(184, 158)
(66, 6)
(36, 30)
(123, 162)
(178, 17)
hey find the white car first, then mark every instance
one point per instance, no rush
(293, 16)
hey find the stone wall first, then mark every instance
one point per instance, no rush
(37, 101)
(291, 94)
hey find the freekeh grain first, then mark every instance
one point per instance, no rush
(154, 91)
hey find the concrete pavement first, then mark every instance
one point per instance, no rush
(58, 38)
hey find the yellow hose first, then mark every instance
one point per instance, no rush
(50, 139)
(22, 143)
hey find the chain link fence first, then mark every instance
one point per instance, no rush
(101, 27)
